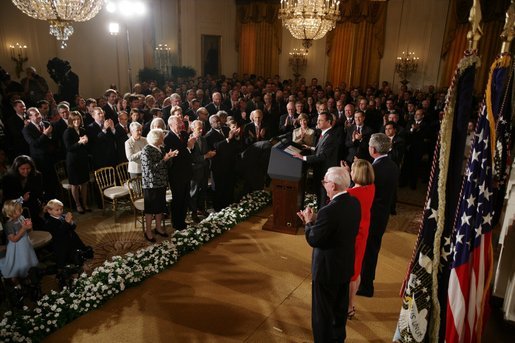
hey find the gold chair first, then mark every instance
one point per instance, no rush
(62, 176)
(135, 187)
(109, 191)
(122, 172)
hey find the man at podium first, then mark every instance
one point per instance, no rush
(325, 156)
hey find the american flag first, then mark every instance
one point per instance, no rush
(471, 269)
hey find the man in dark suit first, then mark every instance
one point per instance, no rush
(180, 170)
(223, 142)
(38, 134)
(288, 121)
(216, 105)
(110, 110)
(200, 155)
(255, 131)
(121, 133)
(417, 140)
(101, 140)
(14, 126)
(325, 156)
(175, 101)
(386, 179)
(332, 234)
(356, 140)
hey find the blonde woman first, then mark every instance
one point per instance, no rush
(363, 176)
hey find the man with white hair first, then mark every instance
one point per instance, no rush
(332, 234)
(216, 105)
(180, 170)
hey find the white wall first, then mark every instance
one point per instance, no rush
(317, 59)
(416, 26)
(411, 24)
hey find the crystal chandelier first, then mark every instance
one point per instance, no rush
(406, 65)
(60, 14)
(309, 19)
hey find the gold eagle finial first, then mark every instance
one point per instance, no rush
(476, 31)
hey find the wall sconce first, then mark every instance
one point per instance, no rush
(406, 65)
(19, 56)
(297, 61)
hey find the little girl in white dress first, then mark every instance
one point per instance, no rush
(20, 255)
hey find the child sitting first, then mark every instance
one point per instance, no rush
(20, 255)
(67, 245)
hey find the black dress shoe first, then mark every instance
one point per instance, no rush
(162, 234)
(81, 211)
(365, 292)
(195, 218)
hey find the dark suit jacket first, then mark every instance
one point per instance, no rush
(211, 108)
(197, 154)
(110, 114)
(249, 133)
(17, 144)
(357, 148)
(397, 151)
(180, 166)
(271, 119)
(332, 237)
(326, 155)
(226, 152)
(166, 113)
(102, 146)
(120, 137)
(213, 136)
(386, 180)
(292, 124)
(40, 145)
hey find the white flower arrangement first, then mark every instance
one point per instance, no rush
(56, 309)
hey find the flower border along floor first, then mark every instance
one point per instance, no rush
(56, 309)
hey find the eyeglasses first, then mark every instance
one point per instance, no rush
(324, 182)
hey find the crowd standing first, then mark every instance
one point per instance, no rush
(188, 132)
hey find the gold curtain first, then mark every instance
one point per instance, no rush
(355, 47)
(258, 38)
(455, 39)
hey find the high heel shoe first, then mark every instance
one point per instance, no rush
(151, 240)
(351, 313)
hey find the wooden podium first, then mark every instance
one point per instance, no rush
(288, 181)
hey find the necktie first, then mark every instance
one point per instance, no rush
(257, 132)
(359, 129)
(41, 128)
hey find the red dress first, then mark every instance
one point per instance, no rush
(365, 195)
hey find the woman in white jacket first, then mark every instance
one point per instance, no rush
(133, 147)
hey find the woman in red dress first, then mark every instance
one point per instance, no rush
(362, 174)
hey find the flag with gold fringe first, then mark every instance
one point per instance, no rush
(499, 102)
(488, 167)
(420, 315)
(471, 269)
